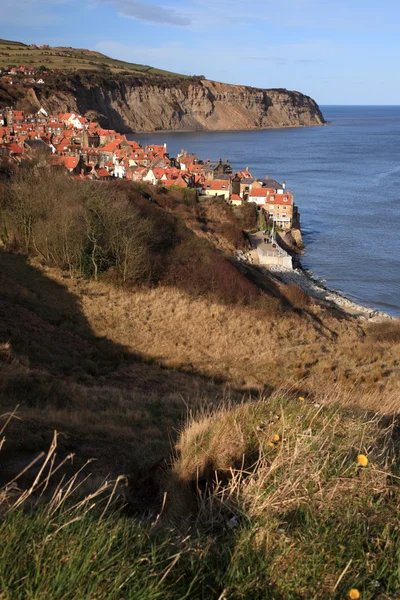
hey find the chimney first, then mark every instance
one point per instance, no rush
(284, 185)
(266, 177)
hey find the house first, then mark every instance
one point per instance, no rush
(71, 163)
(278, 206)
(103, 174)
(157, 150)
(38, 146)
(217, 187)
(259, 195)
(90, 137)
(236, 200)
(212, 170)
(14, 149)
(155, 175)
(188, 160)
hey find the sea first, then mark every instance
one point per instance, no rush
(346, 182)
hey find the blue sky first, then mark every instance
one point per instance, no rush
(337, 51)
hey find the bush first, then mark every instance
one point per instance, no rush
(112, 230)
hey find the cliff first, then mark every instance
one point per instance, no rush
(128, 103)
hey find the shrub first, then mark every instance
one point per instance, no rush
(295, 296)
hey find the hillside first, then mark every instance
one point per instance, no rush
(131, 97)
(143, 305)
(256, 429)
(68, 59)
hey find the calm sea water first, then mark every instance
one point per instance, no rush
(346, 181)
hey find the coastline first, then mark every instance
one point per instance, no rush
(315, 288)
(204, 130)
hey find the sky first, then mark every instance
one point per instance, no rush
(336, 51)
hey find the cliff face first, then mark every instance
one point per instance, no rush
(126, 104)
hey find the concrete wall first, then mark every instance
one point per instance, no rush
(278, 260)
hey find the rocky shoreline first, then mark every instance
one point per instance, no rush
(315, 288)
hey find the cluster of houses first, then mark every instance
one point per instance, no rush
(87, 151)
(23, 75)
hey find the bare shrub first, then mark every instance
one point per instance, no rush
(295, 296)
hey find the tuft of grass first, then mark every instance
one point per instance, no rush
(284, 472)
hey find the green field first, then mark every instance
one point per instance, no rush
(68, 59)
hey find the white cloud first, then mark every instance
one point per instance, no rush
(151, 13)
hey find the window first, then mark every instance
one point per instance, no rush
(285, 199)
(283, 216)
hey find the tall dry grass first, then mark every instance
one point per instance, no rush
(248, 348)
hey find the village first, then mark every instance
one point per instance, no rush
(27, 75)
(87, 151)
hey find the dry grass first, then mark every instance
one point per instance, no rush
(117, 370)
(244, 347)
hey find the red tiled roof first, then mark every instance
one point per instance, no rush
(111, 146)
(102, 173)
(217, 184)
(261, 192)
(179, 182)
(281, 199)
(69, 162)
(13, 147)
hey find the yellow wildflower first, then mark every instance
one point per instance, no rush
(301, 398)
(362, 460)
(276, 438)
(271, 444)
(354, 594)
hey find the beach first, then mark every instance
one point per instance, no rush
(316, 288)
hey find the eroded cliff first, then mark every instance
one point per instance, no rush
(126, 103)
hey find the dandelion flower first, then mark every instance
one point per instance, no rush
(301, 398)
(362, 460)
(271, 444)
(276, 438)
(354, 594)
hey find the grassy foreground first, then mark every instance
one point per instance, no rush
(283, 510)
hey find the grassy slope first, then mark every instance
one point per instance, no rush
(132, 361)
(115, 372)
(69, 59)
(295, 519)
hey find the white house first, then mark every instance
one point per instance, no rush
(260, 195)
